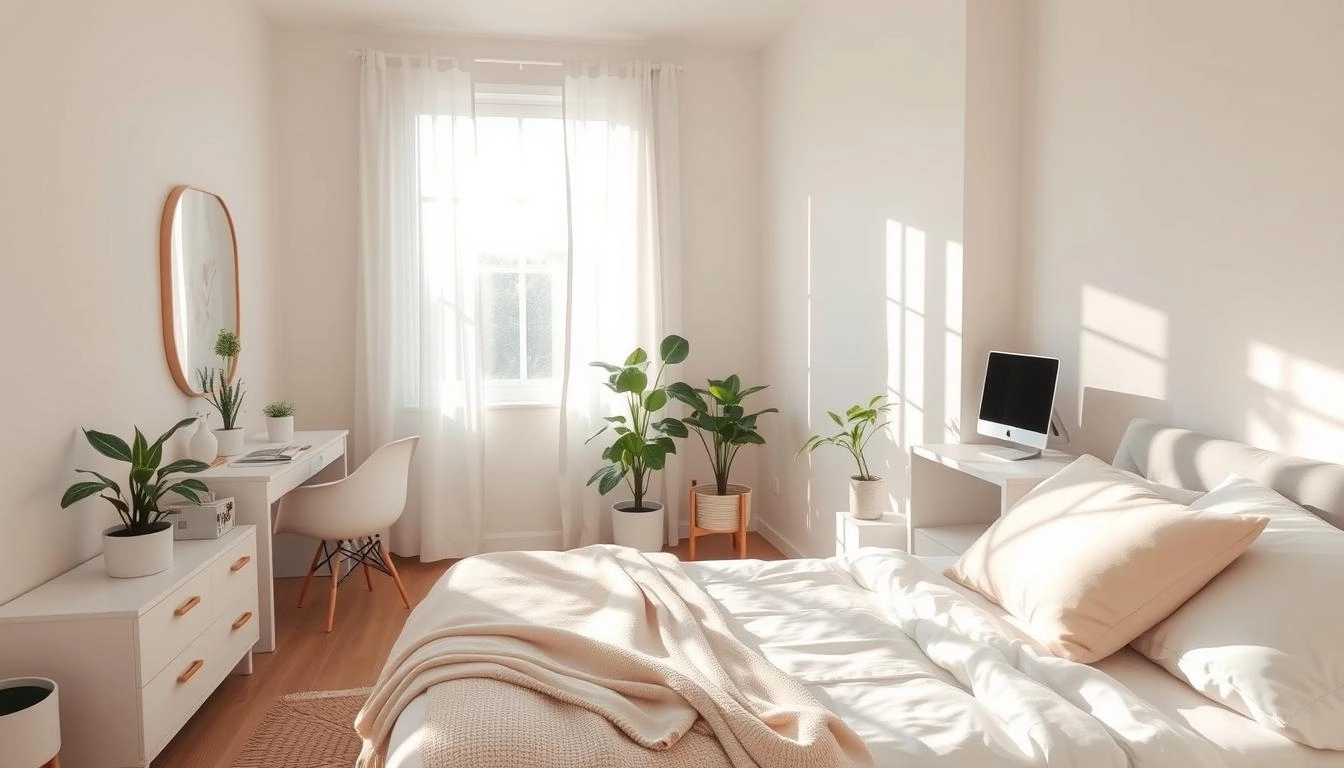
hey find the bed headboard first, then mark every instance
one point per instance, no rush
(1179, 457)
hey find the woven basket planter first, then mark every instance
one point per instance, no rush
(719, 513)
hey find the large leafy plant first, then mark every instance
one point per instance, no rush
(717, 411)
(217, 383)
(147, 484)
(642, 444)
(856, 429)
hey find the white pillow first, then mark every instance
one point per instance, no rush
(1266, 636)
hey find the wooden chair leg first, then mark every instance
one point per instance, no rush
(367, 578)
(391, 566)
(308, 577)
(54, 763)
(335, 582)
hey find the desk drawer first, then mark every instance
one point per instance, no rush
(171, 698)
(170, 626)
(233, 576)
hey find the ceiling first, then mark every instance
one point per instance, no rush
(741, 24)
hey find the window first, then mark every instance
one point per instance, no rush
(520, 233)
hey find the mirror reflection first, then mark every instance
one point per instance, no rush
(199, 270)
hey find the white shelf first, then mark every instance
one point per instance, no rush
(890, 531)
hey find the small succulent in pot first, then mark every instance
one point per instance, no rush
(278, 409)
(279, 421)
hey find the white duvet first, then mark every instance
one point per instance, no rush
(923, 674)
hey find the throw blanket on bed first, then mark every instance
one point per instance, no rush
(601, 652)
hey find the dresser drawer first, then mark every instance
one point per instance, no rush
(168, 627)
(234, 575)
(171, 698)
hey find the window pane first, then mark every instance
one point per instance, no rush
(540, 353)
(499, 299)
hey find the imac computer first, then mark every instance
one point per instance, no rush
(1017, 402)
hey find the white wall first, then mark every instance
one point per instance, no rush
(864, 126)
(317, 99)
(107, 107)
(1183, 169)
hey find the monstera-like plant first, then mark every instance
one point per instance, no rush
(143, 543)
(642, 441)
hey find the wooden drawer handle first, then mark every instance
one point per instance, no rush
(191, 671)
(185, 608)
(242, 620)
(240, 563)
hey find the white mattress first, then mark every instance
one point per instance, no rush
(833, 638)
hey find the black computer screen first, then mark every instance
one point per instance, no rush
(1019, 390)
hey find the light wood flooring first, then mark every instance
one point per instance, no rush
(309, 659)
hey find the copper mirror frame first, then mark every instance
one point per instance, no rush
(198, 274)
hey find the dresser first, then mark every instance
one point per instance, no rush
(135, 658)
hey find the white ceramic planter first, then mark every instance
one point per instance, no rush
(129, 557)
(719, 513)
(30, 720)
(230, 441)
(279, 429)
(868, 499)
(204, 446)
(640, 530)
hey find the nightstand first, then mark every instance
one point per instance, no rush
(889, 531)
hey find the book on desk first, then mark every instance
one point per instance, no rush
(272, 455)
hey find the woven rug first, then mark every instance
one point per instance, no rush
(314, 729)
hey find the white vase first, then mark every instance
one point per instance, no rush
(230, 441)
(868, 498)
(129, 557)
(30, 720)
(203, 445)
(640, 530)
(279, 429)
(719, 513)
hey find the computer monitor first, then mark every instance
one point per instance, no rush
(1017, 402)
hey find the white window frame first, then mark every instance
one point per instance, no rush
(523, 101)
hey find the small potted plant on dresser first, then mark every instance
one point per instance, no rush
(642, 444)
(279, 421)
(221, 391)
(143, 543)
(868, 498)
(717, 411)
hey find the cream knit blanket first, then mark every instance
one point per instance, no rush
(600, 656)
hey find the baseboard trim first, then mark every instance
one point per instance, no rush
(778, 540)
(527, 540)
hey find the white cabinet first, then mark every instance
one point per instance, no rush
(135, 658)
(958, 490)
(851, 533)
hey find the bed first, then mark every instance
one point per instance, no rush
(829, 624)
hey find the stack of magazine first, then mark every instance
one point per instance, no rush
(271, 455)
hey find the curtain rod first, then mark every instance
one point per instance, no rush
(520, 63)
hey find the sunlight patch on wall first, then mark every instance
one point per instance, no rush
(1296, 404)
(952, 335)
(1122, 345)
(914, 304)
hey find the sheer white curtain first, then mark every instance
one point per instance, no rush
(417, 344)
(624, 271)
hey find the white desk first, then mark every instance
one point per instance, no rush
(255, 487)
(957, 491)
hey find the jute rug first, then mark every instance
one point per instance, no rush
(314, 729)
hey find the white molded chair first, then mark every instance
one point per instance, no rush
(349, 514)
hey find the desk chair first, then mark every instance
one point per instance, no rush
(349, 514)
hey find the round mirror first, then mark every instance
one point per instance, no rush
(199, 273)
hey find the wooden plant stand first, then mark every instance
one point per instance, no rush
(739, 535)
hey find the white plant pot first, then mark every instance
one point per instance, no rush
(868, 499)
(30, 720)
(230, 441)
(203, 446)
(279, 429)
(640, 530)
(129, 557)
(719, 513)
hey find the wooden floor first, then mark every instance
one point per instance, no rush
(309, 659)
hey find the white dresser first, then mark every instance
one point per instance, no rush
(135, 658)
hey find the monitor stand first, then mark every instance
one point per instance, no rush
(1011, 454)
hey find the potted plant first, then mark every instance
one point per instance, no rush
(143, 543)
(221, 391)
(279, 421)
(867, 492)
(717, 411)
(641, 445)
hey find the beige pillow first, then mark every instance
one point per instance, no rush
(1090, 558)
